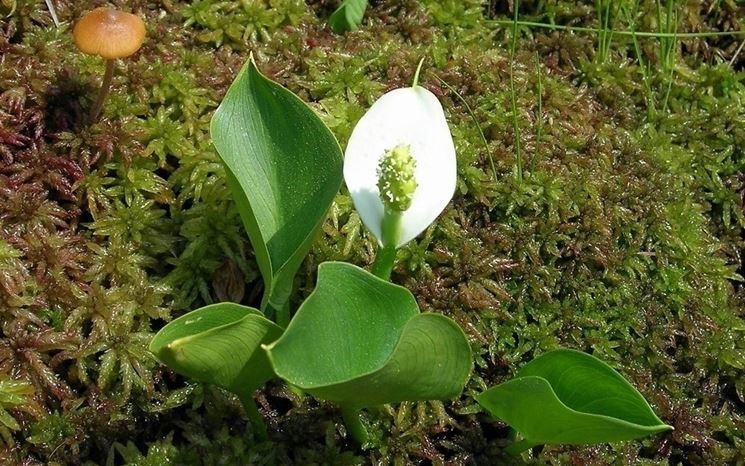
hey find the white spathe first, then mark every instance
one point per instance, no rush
(410, 116)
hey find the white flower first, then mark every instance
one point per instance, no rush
(410, 121)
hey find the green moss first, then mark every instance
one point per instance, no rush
(159, 453)
(14, 394)
(623, 238)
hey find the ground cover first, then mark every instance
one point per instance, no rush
(602, 210)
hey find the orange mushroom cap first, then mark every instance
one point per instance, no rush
(109, 33)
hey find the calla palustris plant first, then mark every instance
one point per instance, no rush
(358, 340)
(284, 168)
(570, 397)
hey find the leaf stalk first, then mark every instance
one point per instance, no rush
(254, 417)
(520, 446)
(353, 421)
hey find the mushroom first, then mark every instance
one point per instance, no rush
(110, 34)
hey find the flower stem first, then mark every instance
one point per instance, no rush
(356, 429)
(383, 264)
(103, 92)
(386, 256)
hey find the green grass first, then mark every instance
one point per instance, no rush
(513, 97)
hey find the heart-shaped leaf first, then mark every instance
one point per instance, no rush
(348, 16)
(567, 396)
(219, 344)
(284, 169)
(360, 341)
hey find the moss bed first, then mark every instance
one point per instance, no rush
(624, 237)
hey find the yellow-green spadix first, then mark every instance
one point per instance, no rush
(403, 130)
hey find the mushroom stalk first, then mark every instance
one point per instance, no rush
(103, 92)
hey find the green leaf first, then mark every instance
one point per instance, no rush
(360, 341)
(14, 393)
(567, 396)
(219, 344)
(284, 168)
(348, 16)
(7, 420)
(735, 358)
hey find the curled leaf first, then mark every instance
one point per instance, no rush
(284, 169)
(567, 396)
(219, 344)
(360, 341)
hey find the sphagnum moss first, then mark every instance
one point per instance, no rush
(623, 237)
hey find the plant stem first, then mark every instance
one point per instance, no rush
(513, 96)
(103, 92)
(519, 447)
(539, 114)
(475, 120)
(734, 56)
(52, 12)
(283, 315)
(390, 231)
(384, 260)
(254, 417)
(671, 24)
(356, 429)
(559, 27)
(643, 68)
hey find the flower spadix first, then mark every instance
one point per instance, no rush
(400, 165)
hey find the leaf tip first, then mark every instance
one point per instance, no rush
(252, 59)
(267, 347)
(416, 74)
